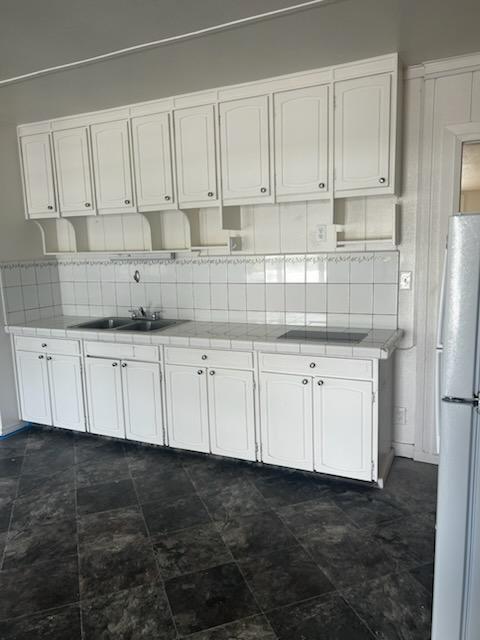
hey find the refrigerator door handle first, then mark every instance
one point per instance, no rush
(471, 401)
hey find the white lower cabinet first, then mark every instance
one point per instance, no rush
(187, 409)
(232, 413)
(104, 397)
(286, 417)
(142, 398)
(317, 424)
(343, 427)
(50, 389)
(124, 399)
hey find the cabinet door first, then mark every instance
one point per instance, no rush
(111, 162)
(244, 134)
(196, 156)
(362, 133)
(66, 392)
(38, 180)
(301, 142)
(33, 389)
(286, 414)
(231, 413)
(153, 162)
(343, 427)
(143, 402)
(187, 411)
(104, 397)
(74, 179)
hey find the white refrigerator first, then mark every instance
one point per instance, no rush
(456, 594)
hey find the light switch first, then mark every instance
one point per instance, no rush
(406, 280)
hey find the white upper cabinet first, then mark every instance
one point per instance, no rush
(196, 156)
(111, 161)
(343, 427)
(364, 139)
(232, 414)
(245, 150)
(38, 182)
(302, 143)
(74, 176)
(153, 162)
(286, 420)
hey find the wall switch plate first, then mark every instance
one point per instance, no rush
(400, 415)
(235, 243)
(321, 232)
(405, 280)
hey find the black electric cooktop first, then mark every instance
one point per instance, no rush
(323, 335)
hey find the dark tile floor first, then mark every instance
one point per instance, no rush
(101, 539)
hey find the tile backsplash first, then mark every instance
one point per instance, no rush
(342, 289)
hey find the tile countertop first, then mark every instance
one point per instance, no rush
(378, 343)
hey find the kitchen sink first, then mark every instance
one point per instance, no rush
(103, 323)
(147, 325)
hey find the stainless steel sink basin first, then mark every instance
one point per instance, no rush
(147, 325)
(103, 323)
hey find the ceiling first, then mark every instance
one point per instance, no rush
(35, 35)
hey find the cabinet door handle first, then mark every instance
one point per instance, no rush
(114, 364)
(87, 204)
(50, 208)
(204, 357)
(305, 381)
(263, 190)
(312, 365)
(44, 344)
(124, 364)
(49, 357)
(127, 201)
(382, 180)
(212, 373)
(200, 371)
(167, 198)
(319, 382)
(40, 357)
(321, 185)
(210, 194)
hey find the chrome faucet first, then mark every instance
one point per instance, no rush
(140, 313)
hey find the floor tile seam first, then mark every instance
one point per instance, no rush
(160, 577)
(36, 563)
(82, 633)
(226, 624)
(357, 615)
(220, 522)
(40, 612)
(342, 589)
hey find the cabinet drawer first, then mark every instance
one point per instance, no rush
(318, 366)
(122, 351)
(50, 345)
(209, 358)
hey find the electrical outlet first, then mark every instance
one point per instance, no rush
(406, 280)
(399, 415)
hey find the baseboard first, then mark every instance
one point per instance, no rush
(403, 450)
(423, 456)
(11, 430)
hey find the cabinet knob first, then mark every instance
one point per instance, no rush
(212, 373)
(305, 381)
(87, 204)
(204, 357)
(124, 364)
(200, 371)
(263, 189)
(127, 201)
(312, 365)
(321, 185)
(49, 357)
(382, 180)
(50, 208)
(167, 198)
(44, 344)
(40, 357)
(114, 364)
(210, 194)
(319, 382)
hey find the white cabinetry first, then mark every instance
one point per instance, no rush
(111, 161)
(286, 417)
(231, 413)
(364, 136)
(302, 143)
(50, 389)
(38, 182)
(153, 162)
(74, 176)
(343, 427)
(187, 409)
(124, 399)
(196, 156)
(245, 150)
